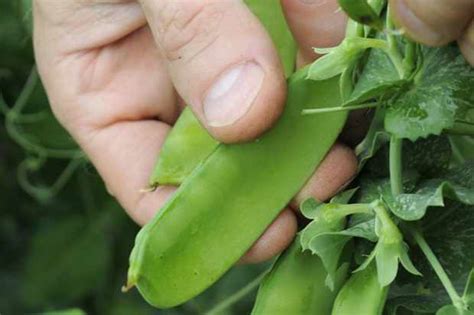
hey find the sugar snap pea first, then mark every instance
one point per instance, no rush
(296, 285)
(188, 143)
(361, 294)
(229, 199)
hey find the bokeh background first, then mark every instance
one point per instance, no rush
(64, 242)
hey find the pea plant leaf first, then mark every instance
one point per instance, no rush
(431, 193)
(441, 88)
(467, 300)
(429, 157)
(468, 295)
(365, 229)
(390, 249)
(458, 185)
(338, 59)
(328, 247)
(317, 235)
(449, 233)
(453, 310)
(375, 138)
(462, 148)
(379, 77)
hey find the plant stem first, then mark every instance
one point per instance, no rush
(231, 300)
(393, 51)
(464, 128)
(353, 208)
(25, 94)
(410, 55)
(395, 160)
(438, 269)
(338, 109)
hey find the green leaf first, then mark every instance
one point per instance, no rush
(429, 157)
(364, 230)
(431, 193)
(73, 253)
(339, 58)
(379, 78)
(441, 88)
(328, 248)
(375, 138)
(318, 236)
(468, 296)
(462, 148)
(309, 208)
(449, 232)
(452, 310)
(390, 249)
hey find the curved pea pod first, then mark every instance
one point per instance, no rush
(229, 200)
(296, 285)
(361, 294)
(361, 12)
(188, 143)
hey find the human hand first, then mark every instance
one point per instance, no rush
(438, 22)
(118, 72)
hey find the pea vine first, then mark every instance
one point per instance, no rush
(399, 87)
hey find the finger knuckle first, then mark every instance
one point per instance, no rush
(186, 30)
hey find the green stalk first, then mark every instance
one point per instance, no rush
(393, 51)
(395, 160)
(353, 208)
(438, 269)
(464, 128)
(338, 109)
(410, 56)
(234, 298)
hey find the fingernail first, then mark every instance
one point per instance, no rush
(233, 94)
(417, 28)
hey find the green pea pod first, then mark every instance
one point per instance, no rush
(186, 146)
(296, 285)
(270, 14)
(230, 199)
(361, 294)
(361, 12)
(188, 143)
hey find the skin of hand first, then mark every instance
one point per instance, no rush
(437, 22)
(118, 73)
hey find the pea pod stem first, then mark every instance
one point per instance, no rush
(436, 265)
(396, 180)
(393, 51)
(410, 57)
(338, 109)
(234, 298)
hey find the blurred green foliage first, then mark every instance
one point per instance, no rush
(64, 242)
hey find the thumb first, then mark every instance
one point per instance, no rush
(433, 22)
(222, 63)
